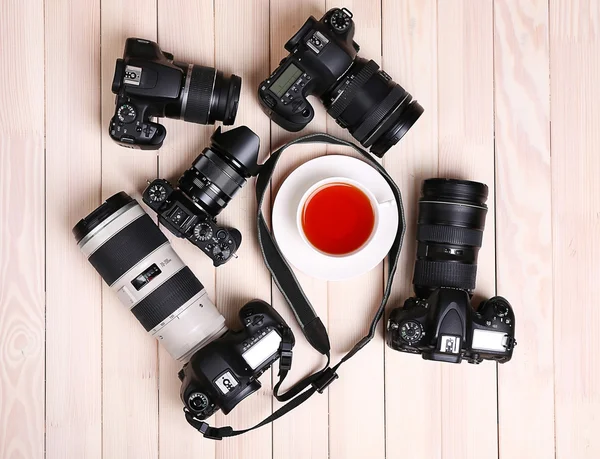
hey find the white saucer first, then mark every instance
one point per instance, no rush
(304, 257)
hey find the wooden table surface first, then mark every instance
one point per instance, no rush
(511, 91)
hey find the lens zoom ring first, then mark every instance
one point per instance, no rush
(445, 274)
(347, 96)
(199, 94)
(396, 95)
(166, 299)
(450, 235)
(126, 248)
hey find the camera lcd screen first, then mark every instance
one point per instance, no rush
(285, 80)
(146, 277)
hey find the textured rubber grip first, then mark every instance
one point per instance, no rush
(445, 274)
(348, 95)
(396, 95)
(166, 299)
(199, 94)
(450, 235)
(126, 248)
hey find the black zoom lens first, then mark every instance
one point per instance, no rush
(222, 169)
(449, 234)
(376, 110)
(208, 96)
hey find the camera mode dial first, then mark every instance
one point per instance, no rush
(198, 402)
(411, 331)
(340, 21)
(157, 193)
(126, 113)
(500, 309)
(203, 231)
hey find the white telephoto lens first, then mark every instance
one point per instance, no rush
(138, 263)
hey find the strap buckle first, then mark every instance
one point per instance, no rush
(326, 378)
(209, 432)
(285, 356)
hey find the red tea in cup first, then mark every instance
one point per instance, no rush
(338, 218)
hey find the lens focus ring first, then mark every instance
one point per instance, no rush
(347, 96)
(125, 248)
(445, 274)
(199, 95)
(450, 235)
(396, 95)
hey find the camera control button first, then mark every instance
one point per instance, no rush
(203, 231)
(126, 113)
(221, 234)
(500, 309)
(269, 100)
(411, 331)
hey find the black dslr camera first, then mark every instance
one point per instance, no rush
(226, 371)
(440, 323)
(149, 83)
(361, 98)
(204, 190)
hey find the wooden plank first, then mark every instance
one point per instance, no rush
(575, 139)
(242, 47)
(186, 30)
(466, 150)
(73, 190)
(305, 432)
(522, 94)
(22, 258)
(351, 305)
(412, 386)
(129, 371)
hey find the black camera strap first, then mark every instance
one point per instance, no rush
(288, 284)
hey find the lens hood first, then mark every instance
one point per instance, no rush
(240, 146)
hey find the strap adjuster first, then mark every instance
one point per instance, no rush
(324, 380)
(285, 360)
(285, 351)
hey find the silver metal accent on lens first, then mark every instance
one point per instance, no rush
(186, 90)
(453, 203)
(211, 93)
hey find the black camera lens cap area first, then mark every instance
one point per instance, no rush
(112, 205)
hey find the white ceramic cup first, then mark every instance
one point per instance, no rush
(375, 206)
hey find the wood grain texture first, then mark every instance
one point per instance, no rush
(412, 386)
(241, 47)
(73, 190)
(466, 150)
(575, 140)
(351, 306)
(505, 83)
(523, 225)
(130, 354)
(305, 433)
(22, 230)
(185, 29)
